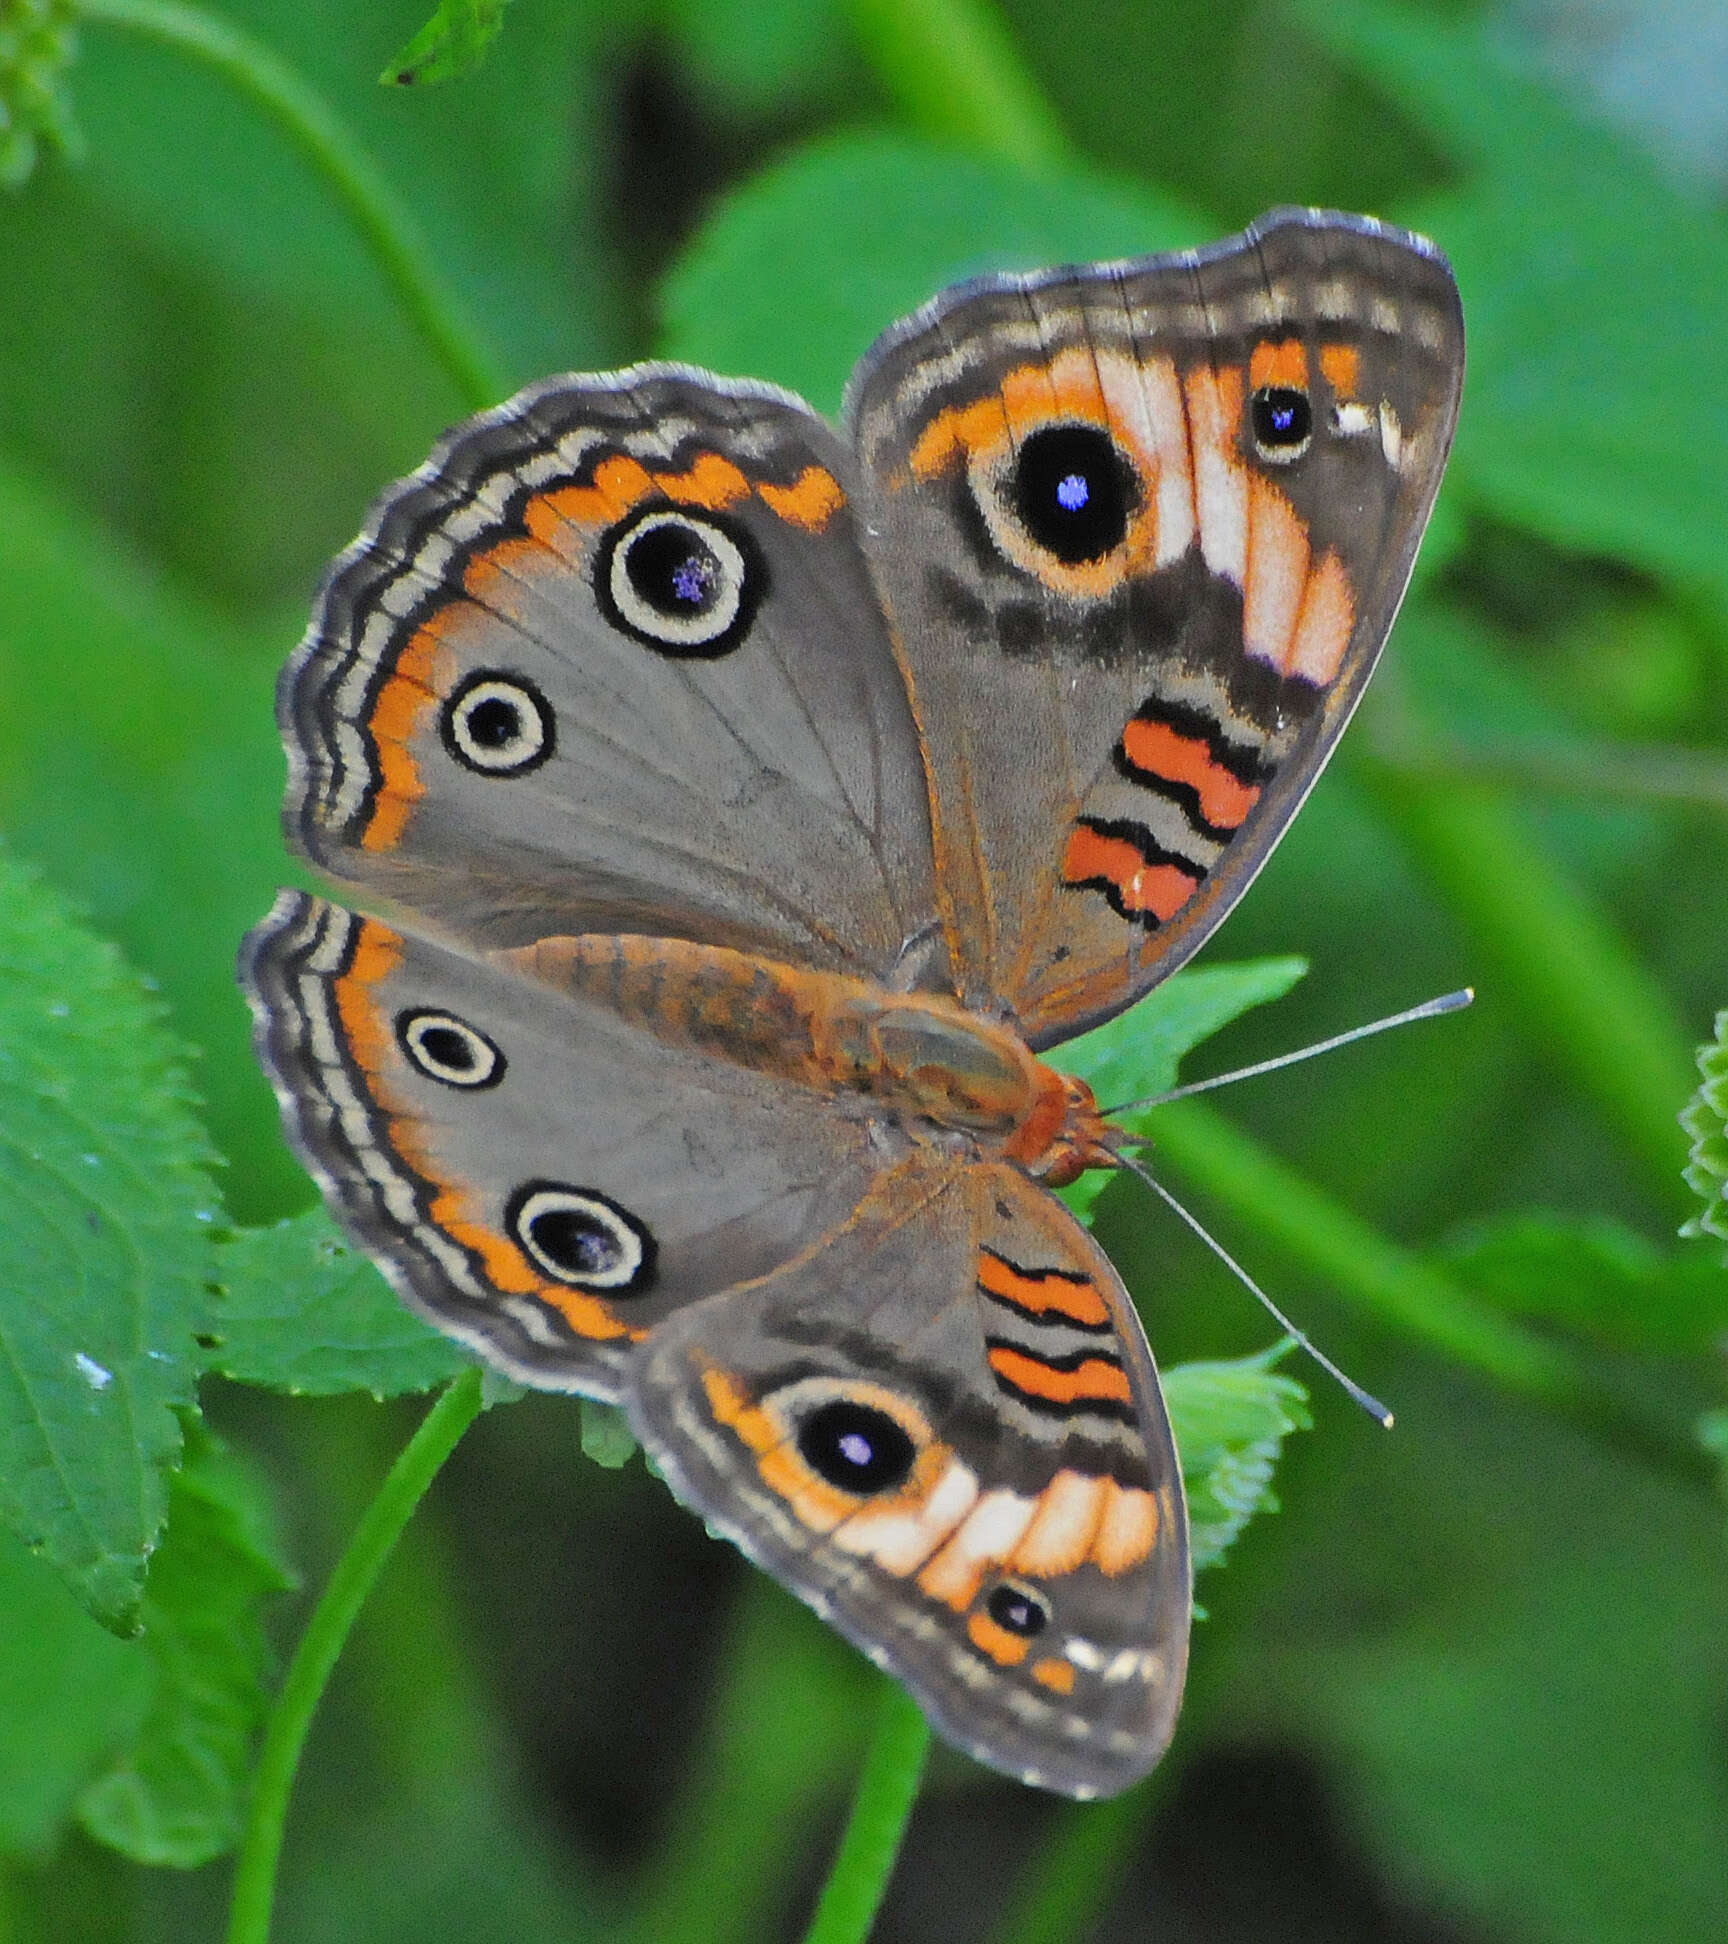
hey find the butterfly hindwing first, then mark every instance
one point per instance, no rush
(943, 1429)
(540, 1177)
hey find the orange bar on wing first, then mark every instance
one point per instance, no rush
(1079, 1302)
(1342, 366)
(1162, 889)
(1093, 1380)
(1004, 1648)
(711, 483)
(1285, 363)
(619, 483)
(959, 429)
(396, 718)
(810, 502)
(1155, 749)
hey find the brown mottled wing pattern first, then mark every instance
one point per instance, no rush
(943, 1429)
(612, 661)
(1143, 529)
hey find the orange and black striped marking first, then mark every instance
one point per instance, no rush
(1062, 1386)
(1181, 755)
(1143, 882)
(1043, 1295)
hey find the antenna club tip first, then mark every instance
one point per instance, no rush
(1387, 1420)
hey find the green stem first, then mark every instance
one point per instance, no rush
(887, 1788)
(953, 70)
(305, 118)
(1581, 991)
(291, 1717)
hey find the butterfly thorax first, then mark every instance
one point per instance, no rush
(937, 1068)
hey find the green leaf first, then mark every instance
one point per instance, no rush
(175, 1795)
(1136, 1054)
(606, 1435)
(105, 1209)
(797, 272)
(300, 1310)
(1597, 299)
(1595, 1275)
(1230, 1420)
(450, 44)
(70, 1696)
(1705, 1119)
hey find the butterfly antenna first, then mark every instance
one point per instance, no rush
(1351, 1388)
(1429, 1009)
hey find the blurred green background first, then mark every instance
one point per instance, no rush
(1471, 1682)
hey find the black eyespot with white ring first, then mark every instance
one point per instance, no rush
(448, 1050)
(683, 583)
(498, 725)
(1018, 1608)
(1283, 422)
(581, 1237)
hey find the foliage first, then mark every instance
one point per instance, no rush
(1488, 1642)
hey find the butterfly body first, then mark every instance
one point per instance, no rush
(753, 805)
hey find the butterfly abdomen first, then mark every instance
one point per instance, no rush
(922, 1058)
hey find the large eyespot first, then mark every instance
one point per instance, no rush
(1283, 421)
(682, 584)
(855, 1447)
(1073, 491)
(1018, 1608)
(499, 725)
(448, 1049)
(580, 1236)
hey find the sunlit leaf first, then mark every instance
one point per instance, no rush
(1230, 1420)
(451, 43)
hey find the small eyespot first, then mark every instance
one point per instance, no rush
(499, 725)
(579, 1236)
(1018, 1608)
(855, 1447)
(447, 1049)
(684, 585)
(1283, 421)
(1073, 491)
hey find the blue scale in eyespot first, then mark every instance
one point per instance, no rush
(1072, 493)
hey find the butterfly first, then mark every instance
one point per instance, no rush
(739, 809)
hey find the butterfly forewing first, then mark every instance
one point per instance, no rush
(612, 661)
(1144, 529)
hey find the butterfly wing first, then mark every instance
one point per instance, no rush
(943, 1429)
(611, 661)
(538, 1176)
(1143, 531)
